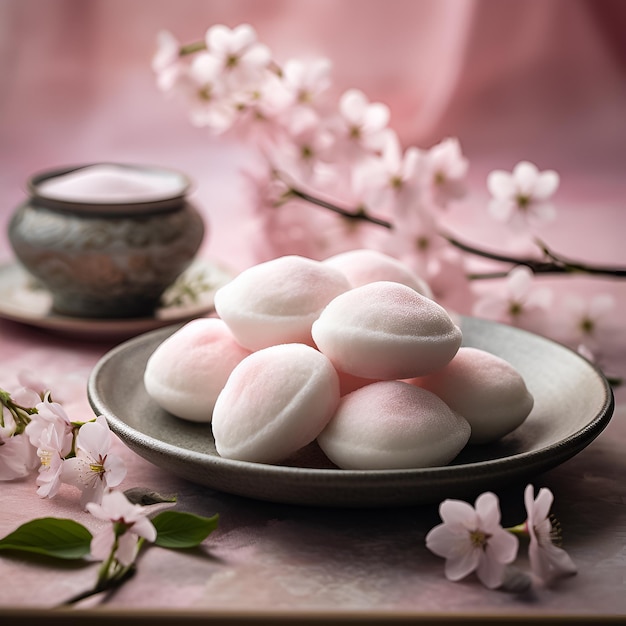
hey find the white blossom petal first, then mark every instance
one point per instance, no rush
(501, 209)
(502, 546)
(440, 540)
(102, 542)
(126, 548)
(547, 183)
(465, 561)
(457, 512)
(242, 37)
(501, 184)
(543, 211)
(525, 175)
(490, 572)
(488, 510)
(218, 38)
(519, 281)
(353, 105)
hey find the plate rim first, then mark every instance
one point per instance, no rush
(107, 326)
(458, 473)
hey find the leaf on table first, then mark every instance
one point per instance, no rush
(177, 529)
(52, 536)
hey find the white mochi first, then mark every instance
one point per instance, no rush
(277, 301)
(276, 401)
(364, 266)
(384, 331)
(187, 371)
(393, 425)
(487, 390)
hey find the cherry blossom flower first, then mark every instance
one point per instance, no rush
(307, 80)
(260, 111)
(51, 414)
(8, 425)
(547, 560)
(17, 455)
(522, 196)
(94, 468)
(18, 458)
(394, 177)
(472, 539)
(51, 457)
(305, 142)
(444, 172)
(517, 303)
(208, 104)
(241, 58)
(420, 245)
(362, 125)
(584, 317)
(166, 60)
(130, 522)
(446, 273)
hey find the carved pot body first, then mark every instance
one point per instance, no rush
(105, 260)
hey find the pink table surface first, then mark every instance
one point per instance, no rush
(272, 558)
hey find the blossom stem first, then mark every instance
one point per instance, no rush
(520, 529)
(359, 214)
(112, 574)
(555, 264)
(191, 48)
(106, 585)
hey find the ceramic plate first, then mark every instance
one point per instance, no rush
(23, 300)
(573, 404)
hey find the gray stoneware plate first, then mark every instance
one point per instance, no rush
(573, 404)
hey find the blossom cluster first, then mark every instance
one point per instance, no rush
(339, 151)
(36, 434)
(472, 539)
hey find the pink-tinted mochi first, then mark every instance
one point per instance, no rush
(277, 301)
(276, 401)
(364, 266)
(393, 425)
(487, 390)
(385, 331)
(187, 371)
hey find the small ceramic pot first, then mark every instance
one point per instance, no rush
(106, 259)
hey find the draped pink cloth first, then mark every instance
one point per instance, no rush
(542, 79)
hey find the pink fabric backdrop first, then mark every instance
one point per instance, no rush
(535, 79)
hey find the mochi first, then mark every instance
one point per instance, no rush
(485, 389)
(276, 401)
(364, 266)
(186, 372)
(393, 425)
(277, 301)
(384, 331)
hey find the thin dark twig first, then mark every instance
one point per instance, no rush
(354, 215)
(555, 265)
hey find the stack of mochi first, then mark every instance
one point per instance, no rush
(352, 352)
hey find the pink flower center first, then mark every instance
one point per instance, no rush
(479, 539)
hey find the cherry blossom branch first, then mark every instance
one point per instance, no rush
(358, 214)
(555, 265)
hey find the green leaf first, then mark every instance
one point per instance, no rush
(52, 536)
(176, 529)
